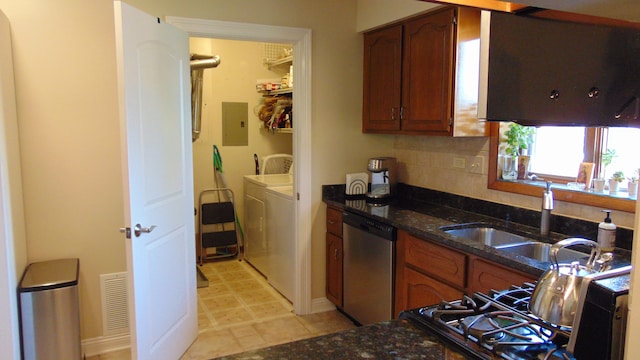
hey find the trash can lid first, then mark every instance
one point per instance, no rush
(50, 275)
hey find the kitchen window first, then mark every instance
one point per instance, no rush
(556, 154)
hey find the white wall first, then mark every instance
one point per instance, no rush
(375, 13)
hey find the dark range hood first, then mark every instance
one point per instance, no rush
(536, 71)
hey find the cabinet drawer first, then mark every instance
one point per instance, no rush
(438, 261)
(334, 221)
(485, 276)
(421, 290)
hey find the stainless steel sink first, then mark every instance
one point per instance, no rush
(540, 251)
(486, 235)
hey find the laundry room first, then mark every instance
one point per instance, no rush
(244, 130)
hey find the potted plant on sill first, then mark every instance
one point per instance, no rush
(615, 181)
(516, 162)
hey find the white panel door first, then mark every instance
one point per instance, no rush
(155, 112)
(13, 254)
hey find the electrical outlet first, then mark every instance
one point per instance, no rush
(477, 165)
(459, 162)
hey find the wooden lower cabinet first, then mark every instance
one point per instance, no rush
(334, 269)
(419, 290)
(428, 273)
(485, 276)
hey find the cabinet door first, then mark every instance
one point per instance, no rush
(382, 80)
(485, 276)
(421, 290)
(334, 269)
(427, 90)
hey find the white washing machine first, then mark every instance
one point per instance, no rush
(280, 239)
(256, 248)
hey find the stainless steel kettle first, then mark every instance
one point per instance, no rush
(555, 297)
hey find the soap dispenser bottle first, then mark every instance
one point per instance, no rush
(607, 233)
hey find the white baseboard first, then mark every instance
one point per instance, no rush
(105, 344)
(319, 305)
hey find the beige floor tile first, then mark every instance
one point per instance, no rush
(213, 343)
(221, 302)
(244, 331)
(282, 330)
(244, 285)
(241, 274)
(270, 309)
(258, 296)
(232, 316)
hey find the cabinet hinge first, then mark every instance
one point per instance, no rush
(455, 20)
(450, 123)
(402, 113)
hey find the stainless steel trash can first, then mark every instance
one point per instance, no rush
(49, 312)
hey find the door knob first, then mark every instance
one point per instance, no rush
(138, 229)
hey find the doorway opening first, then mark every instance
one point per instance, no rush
(246, 119)
(301, 137)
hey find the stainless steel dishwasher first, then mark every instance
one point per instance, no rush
(368, 268)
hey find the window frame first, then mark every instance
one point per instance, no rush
(559, 191)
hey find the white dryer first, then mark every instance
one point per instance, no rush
(256, 248)
(280, 239)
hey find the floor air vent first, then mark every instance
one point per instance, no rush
(115, 314)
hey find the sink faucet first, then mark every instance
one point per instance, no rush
(547, 206)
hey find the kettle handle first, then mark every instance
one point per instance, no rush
(595, 252)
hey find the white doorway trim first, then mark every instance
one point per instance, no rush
(301, 40)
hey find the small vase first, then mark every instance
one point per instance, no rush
(613, 186)
(598, 185)
(509, 167)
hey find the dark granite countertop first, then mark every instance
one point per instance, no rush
(423, 212)
(395, 339)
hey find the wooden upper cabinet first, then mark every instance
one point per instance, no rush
(427, 89)
(419, 75)
(382, 79)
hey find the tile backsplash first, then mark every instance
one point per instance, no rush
(433, 162)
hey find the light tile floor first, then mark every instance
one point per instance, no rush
(240, 311)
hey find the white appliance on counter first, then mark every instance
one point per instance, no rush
(269, 228)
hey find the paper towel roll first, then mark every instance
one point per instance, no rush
(357, 184)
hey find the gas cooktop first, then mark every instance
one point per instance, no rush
(494, 325)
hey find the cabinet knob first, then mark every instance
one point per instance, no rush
(555, 94)
(594, 92)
